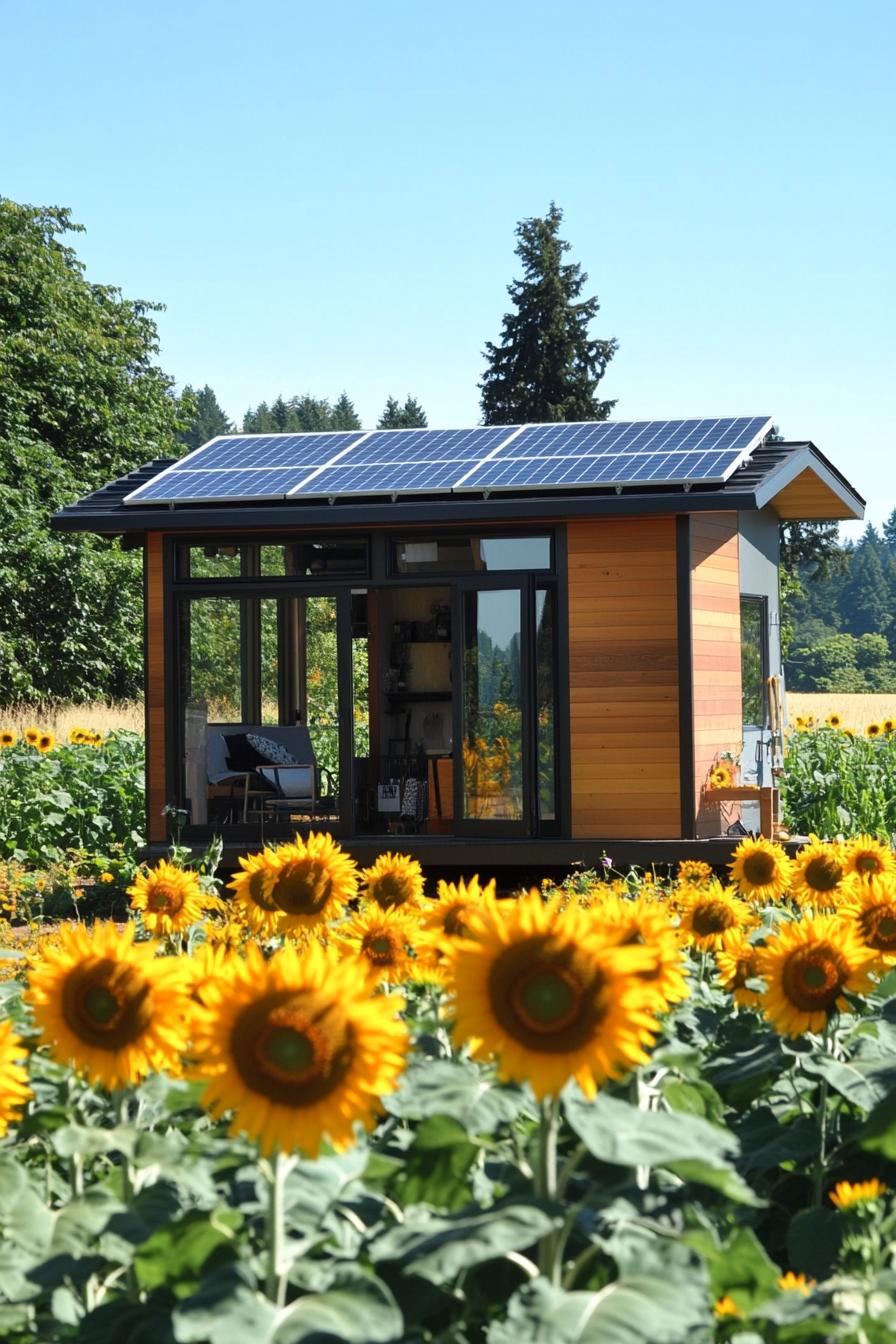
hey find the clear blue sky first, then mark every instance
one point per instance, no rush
(324, 196)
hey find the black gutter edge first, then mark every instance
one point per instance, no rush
(401, 514)
(686, 766)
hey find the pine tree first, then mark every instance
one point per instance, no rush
(889, 531)
(208, 418)
(409, 416)
(866, 599)
(344, 415)
(546, 367)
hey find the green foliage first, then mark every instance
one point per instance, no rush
(409, 416)
(839, 610)
(301, 415)
(81, 401)
(74, 798)
(207, 418)
(546, 366)
(837, 784)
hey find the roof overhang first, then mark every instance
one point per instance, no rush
(805, 487)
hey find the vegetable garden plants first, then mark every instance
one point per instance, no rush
(338, 1108)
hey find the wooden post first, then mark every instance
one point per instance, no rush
(195, 765)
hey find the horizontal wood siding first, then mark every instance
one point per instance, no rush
(715, 628)
(623, 678)
(155, 690)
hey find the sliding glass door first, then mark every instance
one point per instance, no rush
(505, 667)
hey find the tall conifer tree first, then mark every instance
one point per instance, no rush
(409, 416)
(546, 366)
(208, 419)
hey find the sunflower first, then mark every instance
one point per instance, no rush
(538, 989)
(889, 725)
(737, 962)
(108, 1004)
(7, 738)
(873, 730)
(394, 880)
(817, 874)
(381, 938)
(309, 881)
(807, 966)
(706, 912)
(32, 736)
(871, 904)
(761, 870)
(834, 720)
(14, 1089)
(846, 1194)
(169, 899)
(720, 777)
(446, 917)
(207, 965)
(45, 742)
(297, 1047)
(645, 922)
(251, 892)
(694, 871)
(76, 736)
(867, 857)
(796, 1283)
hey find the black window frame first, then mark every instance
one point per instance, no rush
(762, 602)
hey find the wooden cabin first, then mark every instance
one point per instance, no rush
(504, 645)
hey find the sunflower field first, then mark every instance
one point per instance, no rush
(839, 781)
(324, 1105)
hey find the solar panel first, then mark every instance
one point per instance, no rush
(382, 478)
(529, 473)
(428, 445)
(494, 457)
(191, 486)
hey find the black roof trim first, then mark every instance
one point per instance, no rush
(750, 488)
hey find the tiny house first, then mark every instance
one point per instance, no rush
(500, 645)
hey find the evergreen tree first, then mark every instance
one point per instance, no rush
(546, 366)
(344, 415)
(889, 531)
(280, 416)
(207, 420)
(866, 601)
(409, 416)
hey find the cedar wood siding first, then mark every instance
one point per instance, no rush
(623, 678)
(157, 826)
(715, 628)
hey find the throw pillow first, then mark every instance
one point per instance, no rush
(274, 753)
(241, 755)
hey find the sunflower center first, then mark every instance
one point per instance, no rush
(99, 1005)
(258, 893)
(822, 873)
(391, 890)
(164, 898)
(868, 863)
(546, 995)
(380, 948)
(813, 978)
(759, 868)
(878, 927)
(453, 923)
(289, 1050)
(711, 917)
(106, 1004)
(303, 887)
(294, 1048)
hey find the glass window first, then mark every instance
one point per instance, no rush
(211, 656)
(546, 783)
(310, 558)
(492, 706)
(210, 562)
(465, 554)
(753, 659)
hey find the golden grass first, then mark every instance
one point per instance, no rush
(59, 719)
(856, 711)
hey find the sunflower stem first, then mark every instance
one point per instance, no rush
(128, 1188)
(546, 1183)
(276, 1174)
(821, 1116)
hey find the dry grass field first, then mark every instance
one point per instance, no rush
(856, 711)
(60, 719)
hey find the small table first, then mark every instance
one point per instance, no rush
(767, 796)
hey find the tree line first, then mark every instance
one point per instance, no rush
(842, 615)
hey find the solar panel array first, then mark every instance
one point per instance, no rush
(335, 464)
